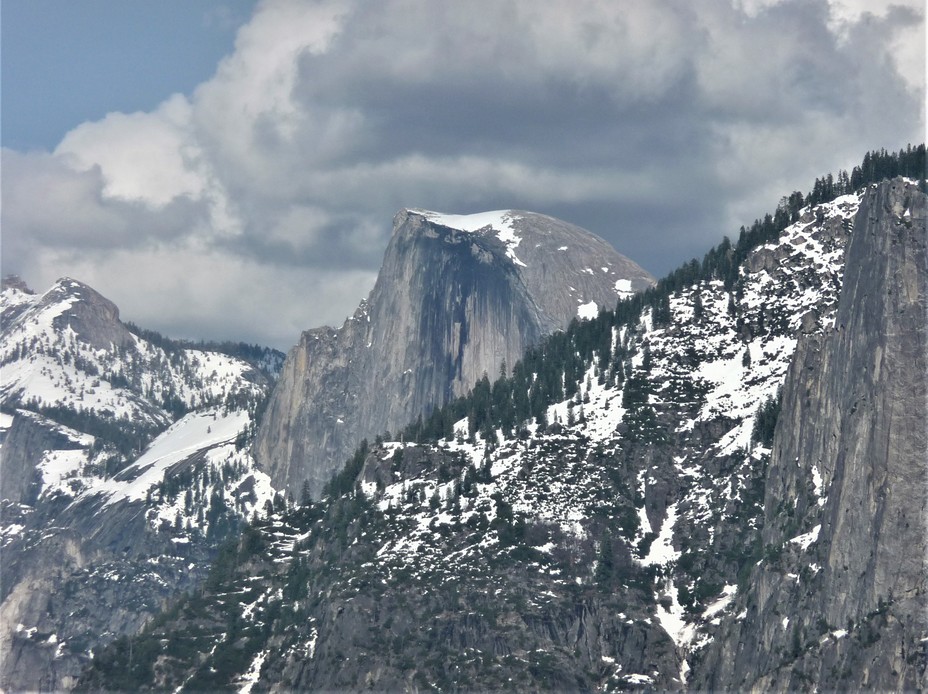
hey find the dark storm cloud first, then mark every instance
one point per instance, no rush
(659, 125)
(307, 238)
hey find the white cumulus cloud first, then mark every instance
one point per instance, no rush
(260, 203)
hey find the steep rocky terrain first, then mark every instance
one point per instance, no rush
(124, 464)
(457, 297)
(840, 598)
(620, 512)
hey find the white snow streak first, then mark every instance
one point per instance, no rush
(500, 221)
(806, 539)
(196, 432)
(661, 551)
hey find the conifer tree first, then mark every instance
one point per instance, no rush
(605, 562)
(697, 305)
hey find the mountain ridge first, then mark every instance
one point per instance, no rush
(449, 305)
(632, 552)
(608, 543)
(123, 467)
(852, 458)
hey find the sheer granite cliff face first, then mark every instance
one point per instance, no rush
(841, 597)
(449, 305)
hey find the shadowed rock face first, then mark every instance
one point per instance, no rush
(455, 298)
(93, 317)
(25, 443)
(841, 598)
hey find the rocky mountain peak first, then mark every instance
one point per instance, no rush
(718, 486)
(67, 304)
(715, 485)
(124, 463)
(457, 297)
(523, 233)
(93, 317)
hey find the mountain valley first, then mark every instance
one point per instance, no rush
(522, 464)
(639, 495)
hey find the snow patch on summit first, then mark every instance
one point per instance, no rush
(500, 221)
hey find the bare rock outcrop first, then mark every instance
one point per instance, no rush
(457, 297)
(840, 599)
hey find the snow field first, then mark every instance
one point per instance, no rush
(197, 431)
(499, 221)
(47, 365)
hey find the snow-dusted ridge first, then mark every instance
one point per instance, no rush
(499, 221)
(733, 350)
(124, 461)
(66, 350)
(807, 276)
(196, 432)
(609, 538)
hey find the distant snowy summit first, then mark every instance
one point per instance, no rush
(457, 297)
(500, 222)
(530, 240)
(125, 462)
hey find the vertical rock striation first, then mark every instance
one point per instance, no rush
(841, 597)
(456, 298)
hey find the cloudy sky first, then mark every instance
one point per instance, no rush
(231, 169)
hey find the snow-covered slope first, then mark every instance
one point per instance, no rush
(115, 450)
(599, 544)
(67, 349)
(838, 601)
(697, 390)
